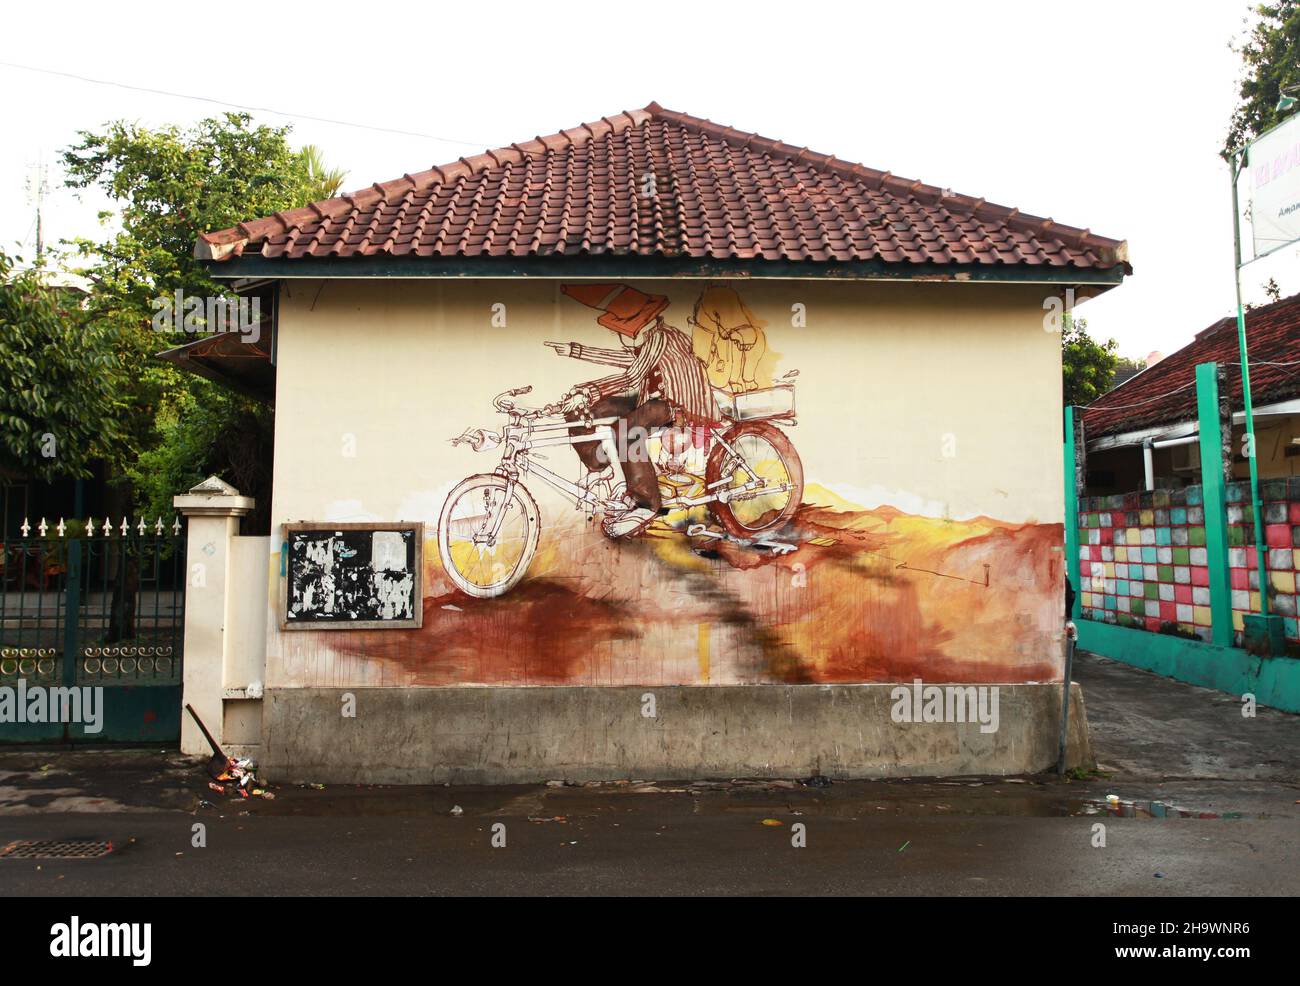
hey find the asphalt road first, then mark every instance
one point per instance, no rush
(861, 838)
(1205, 805)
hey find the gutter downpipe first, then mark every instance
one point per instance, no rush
(1256, 504)
(1149, 445)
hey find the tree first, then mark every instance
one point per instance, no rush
(205, 430)
(171, 185)
(1270, 56)
(324, 182)
(60, 406)
(1088, 367)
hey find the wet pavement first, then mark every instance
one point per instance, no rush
(1147, 727)
(1192, 800)
(873, 838)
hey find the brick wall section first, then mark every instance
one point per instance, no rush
(1142, 558)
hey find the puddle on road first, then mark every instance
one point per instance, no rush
(1016, 797)
(993, 805)
(1118, 808)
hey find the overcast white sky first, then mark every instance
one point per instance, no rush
(1102, 115)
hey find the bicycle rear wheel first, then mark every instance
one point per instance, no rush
(480, 564)
(762, 453)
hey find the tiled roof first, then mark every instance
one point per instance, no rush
(718, 193)
(1166, 392)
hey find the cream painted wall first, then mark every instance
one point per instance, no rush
(1273, 437)
(247, 620)
(374, 378)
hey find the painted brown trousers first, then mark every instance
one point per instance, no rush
(630, 435)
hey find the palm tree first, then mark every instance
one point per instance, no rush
(322, 183)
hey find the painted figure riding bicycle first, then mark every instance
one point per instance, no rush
(655, 439)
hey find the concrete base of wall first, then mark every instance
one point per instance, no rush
(242, 728)
(522, 735)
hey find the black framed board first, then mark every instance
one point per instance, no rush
(364, 576)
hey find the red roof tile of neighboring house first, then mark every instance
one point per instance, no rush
(719, 193)
(1166, 393)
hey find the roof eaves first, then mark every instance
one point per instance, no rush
(624, 264)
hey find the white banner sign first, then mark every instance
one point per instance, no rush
(1274, 168)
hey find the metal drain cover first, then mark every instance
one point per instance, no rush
(55, 849)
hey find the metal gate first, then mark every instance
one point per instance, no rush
(98, 608)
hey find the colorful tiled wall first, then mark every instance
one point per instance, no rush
(1281, 502)
(1143, 564)
(1142, 561)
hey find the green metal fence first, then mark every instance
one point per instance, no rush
(94, 604)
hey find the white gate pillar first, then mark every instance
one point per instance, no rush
(213, 509)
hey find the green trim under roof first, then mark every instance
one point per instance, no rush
(624, 267)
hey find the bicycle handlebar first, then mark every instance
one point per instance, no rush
(549, 411)
(500, 402)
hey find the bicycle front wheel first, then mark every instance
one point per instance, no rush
(487, 535)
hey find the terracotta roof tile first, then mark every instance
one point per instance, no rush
(718, 193)
(1166, 392)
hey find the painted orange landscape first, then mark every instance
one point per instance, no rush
(867, 596)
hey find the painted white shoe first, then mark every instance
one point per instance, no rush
(634, 521)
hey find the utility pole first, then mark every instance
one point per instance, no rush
(36, 188)
(1236, 164)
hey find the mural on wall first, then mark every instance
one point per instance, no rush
(717, 449)
(695, 550)
(729, 340)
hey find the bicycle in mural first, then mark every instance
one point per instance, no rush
(751, 482)
(682, 423)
